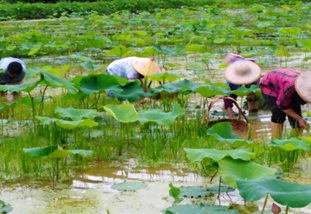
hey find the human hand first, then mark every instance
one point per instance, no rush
(302, 122)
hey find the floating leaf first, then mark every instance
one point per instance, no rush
(283, 192)
(129, 185)
(76, 114)
(199, 209)
(161, 117)
(197, 155)
(125, 113)
(232, 170)
(195, 192)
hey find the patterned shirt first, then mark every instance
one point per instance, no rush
(4, 77)
(123, 68)
(280, 83)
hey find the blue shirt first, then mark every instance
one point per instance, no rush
(4, 77)
(123, 68)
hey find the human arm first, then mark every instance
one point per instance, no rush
(291, 113)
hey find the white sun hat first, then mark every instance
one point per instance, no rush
(303, 86)
(243, 72)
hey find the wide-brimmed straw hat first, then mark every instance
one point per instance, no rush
(303, 86)
(243, 72)
(145, 66)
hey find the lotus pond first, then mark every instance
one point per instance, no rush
(68, 148)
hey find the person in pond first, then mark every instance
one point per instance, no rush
(12, 72)
(134, 68)
(284, 91)
(241, 71)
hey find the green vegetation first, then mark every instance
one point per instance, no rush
(51, 135)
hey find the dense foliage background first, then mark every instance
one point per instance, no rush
(31, 9)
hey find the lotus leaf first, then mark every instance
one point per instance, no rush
(232, 170)
(213, 89)
(25, 86)
(199, 209)
(131, 92)
(65, 124)
(283, 192)
(160, 117)
(124, 113)
(76, 114)
(184, 87)
(164, 76)
(40, 151)
(292, 144)
(98, 83)
(243, 91)
(129, 185)
(55, 81)
(5, 208)
(197, 155)
(223, 133)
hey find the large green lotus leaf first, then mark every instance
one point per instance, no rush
(131, 92)
(76, 114)
(25, 86)
(98, 83)
(161, 117)
(197, 155)
(65, 124)
(291, 144)
(40, 151)
(213, 89)
(164, 76)
(184, 87)
(76, 80)
(223, 133)
(243, 91)
(232, 170)
(199, 209)
(283, 192)
(124, 113)
(55, 81)
(129, 185)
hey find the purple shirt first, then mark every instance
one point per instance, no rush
(280, 83)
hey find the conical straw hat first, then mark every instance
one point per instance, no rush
(303, 86)
(243, 72)
(145, 66)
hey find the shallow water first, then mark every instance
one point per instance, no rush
(90, 190)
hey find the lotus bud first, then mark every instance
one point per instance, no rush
(275, 209)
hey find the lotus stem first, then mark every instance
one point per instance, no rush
(219, 190)
(286, 210)
(264, 204)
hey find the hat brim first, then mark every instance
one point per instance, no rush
(145, 66)
(303, 86)
(238, 79)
